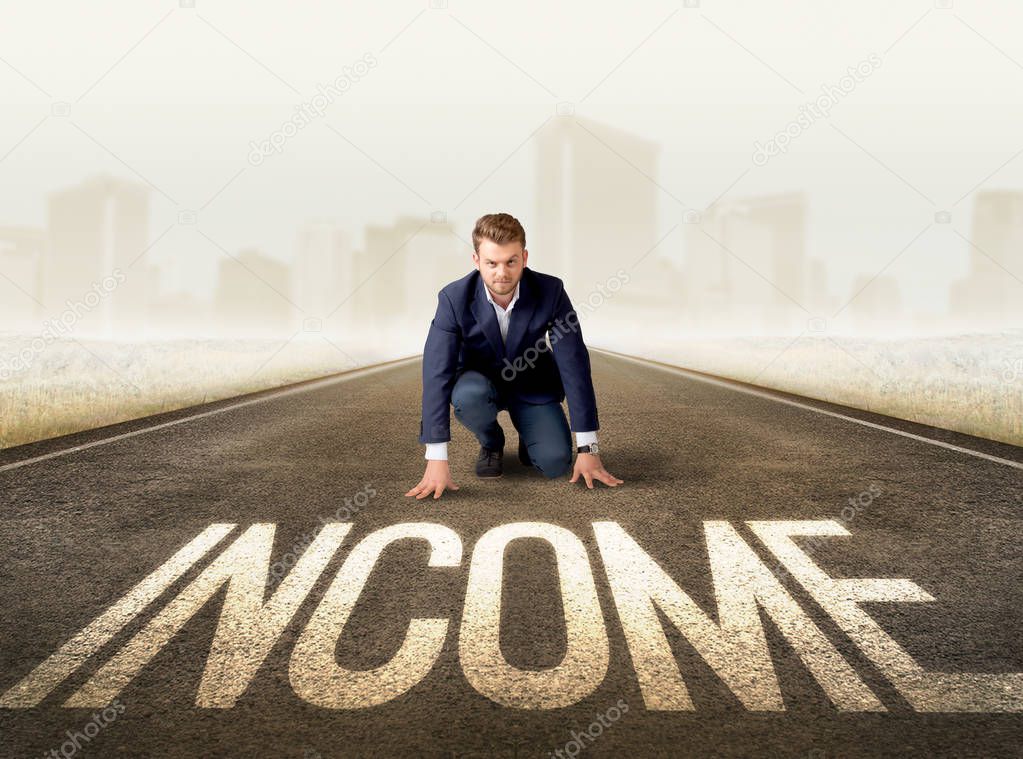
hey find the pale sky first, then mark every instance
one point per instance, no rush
(174, 96)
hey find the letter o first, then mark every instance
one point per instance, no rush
(479, 642)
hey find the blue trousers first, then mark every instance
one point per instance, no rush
(542, 427)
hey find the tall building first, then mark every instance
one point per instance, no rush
(253, 296)
(22, 255)
(325, 268)
(990, 296)
(95, 230)
(596, 211)
(404, 266)
(745, 266)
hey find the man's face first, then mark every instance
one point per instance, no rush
(501, 265)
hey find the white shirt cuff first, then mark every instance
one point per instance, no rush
(437, 451)
(440, 450)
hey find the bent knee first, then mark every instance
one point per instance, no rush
(470, 391)
(552, 464)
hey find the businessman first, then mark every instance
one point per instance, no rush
(487, 350)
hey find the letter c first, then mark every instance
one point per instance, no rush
(315, 674)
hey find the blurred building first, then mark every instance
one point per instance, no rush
(325, 268)
(404, 266)
(745, 268)
(22, 256)
(990, 296)
(876, 306)
(821, 302)
(181, 314)
(98, 232)
(597, 210)
(253, 296)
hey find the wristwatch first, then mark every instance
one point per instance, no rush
(591, 448)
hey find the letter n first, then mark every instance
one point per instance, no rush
(248, 626)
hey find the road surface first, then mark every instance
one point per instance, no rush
(89, 516)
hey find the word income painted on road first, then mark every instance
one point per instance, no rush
(735, 646)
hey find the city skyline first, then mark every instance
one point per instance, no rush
(743, 267)
(360, 118)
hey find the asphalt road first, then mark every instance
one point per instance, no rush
(82, 528)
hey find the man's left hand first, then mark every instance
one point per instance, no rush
(589, 467)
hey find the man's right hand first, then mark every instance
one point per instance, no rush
(436, 478)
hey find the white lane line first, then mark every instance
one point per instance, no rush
(314, 385)
(770, 396)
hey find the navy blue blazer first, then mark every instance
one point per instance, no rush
(464, 335)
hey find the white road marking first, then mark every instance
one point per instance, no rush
(314, 385)
(735, 385)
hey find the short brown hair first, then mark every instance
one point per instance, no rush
(497, 227)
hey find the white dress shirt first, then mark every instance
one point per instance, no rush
(440, 450)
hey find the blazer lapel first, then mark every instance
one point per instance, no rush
(487, 319)
(522, 313)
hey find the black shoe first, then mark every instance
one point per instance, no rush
(524, 454)
(490, 462)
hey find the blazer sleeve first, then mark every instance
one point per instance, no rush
(440, 360)
(573, 361)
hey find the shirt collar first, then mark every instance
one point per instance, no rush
(515, 295)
